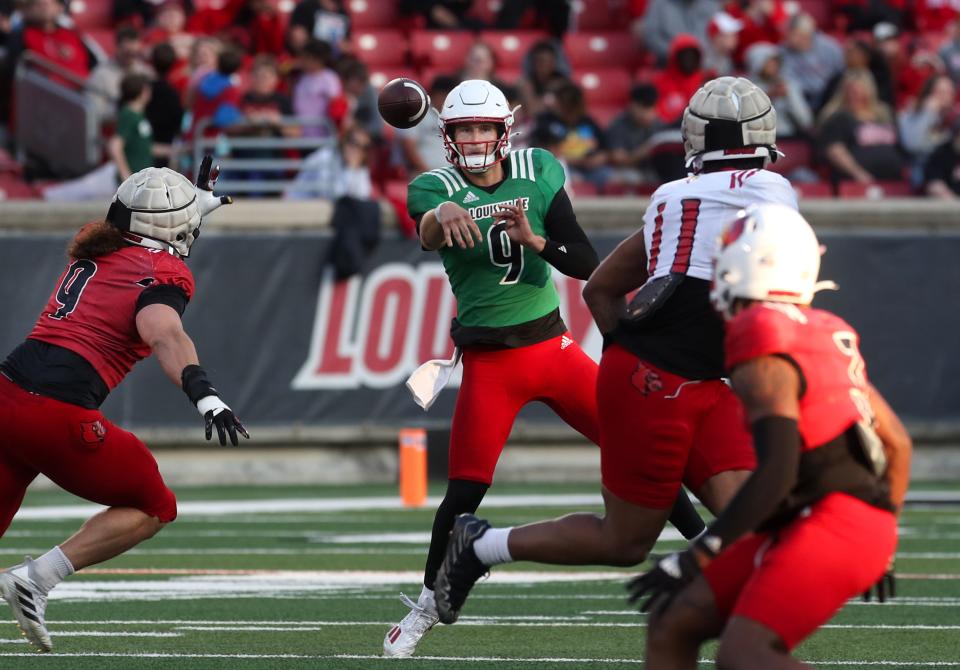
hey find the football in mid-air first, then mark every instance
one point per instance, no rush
(403, 103)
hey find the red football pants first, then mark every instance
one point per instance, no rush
(80, 450)
(498, 382)
(794, 580)
(658, 430)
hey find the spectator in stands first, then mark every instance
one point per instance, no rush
(103, 85)
(130, 149)
(858, 133)
(169, 26)
(584, 146)
(165, 110)
(480, 63)
(930, 16)
(942, 173)
(144, 13)
(950, 51)
(680, 79)
(723, 31)
(543, 66)
(336, 170)
(43, 34)
(421, 146)
(551, 136)
(324, 20)
(217, 97)
(629, 137)
(259, 28)
(665, 19)
(907, 69)
(810, 58)
(263, 106)
(763, 21)
(926, 123)
(214, 18)
(553, 15)
(764, 68)
(443, 14)
(360, 97)
(204, 54)
(316, 87)
(865, 14)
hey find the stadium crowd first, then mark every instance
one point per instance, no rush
(865, 90)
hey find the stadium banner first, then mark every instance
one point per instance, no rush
(288, 347)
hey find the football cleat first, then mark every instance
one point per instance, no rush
(461, 568)
(402, 640)
(28, 602)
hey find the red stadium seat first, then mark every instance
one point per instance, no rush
(381, 75)
(435, 48)
(106, 39)
(602, 50)
(511, 46)
(92, 13)
(881, 189)
(817, 189)
(605, 114)
(367, 14)
(486, 10)
(583, 189)
(820, 10)
(380, 47)
(594, 15)
(796, 153)
(14, 188)
(604, 87)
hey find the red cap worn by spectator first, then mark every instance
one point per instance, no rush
(680, 79)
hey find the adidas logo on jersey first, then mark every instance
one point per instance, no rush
(470, 197)
(565, 342)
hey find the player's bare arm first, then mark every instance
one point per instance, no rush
(447, 224)
(896, 444)
(161, 329)
(769, 388)
(619, 273)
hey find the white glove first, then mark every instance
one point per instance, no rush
(428, 380)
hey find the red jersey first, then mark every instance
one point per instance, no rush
(92, 312)
(824, 348)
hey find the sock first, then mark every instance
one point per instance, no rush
(50, 569)
(491, 548)
(424, 594)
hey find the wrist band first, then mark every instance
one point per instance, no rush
(194, 382)
(436, 211)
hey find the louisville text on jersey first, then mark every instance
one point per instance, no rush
(488, 211)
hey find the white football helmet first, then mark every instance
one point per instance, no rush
(161, 209)
(473, 101)
(768, 253)
(729, 118)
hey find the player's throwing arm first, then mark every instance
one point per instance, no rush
(446, 224)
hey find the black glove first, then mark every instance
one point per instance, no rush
(206, 180)
(886, 586)
(216, 413)
(663, 582)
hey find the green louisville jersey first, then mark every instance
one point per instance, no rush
(496, 283)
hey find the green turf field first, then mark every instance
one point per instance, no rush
(283, 577)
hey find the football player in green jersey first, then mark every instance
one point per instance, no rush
(501, 221)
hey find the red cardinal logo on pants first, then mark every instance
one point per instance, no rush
(646, 380)
(93, 432)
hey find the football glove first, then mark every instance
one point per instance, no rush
(215, 412)
(886, 586)
(660, 585)
(206, 180)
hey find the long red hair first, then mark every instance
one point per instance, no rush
(97, 238)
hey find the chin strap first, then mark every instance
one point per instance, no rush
(149, 243)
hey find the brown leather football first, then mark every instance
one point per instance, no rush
(403, 103)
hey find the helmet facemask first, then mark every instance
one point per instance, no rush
(476, 101)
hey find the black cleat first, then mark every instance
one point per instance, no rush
(461, 568)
